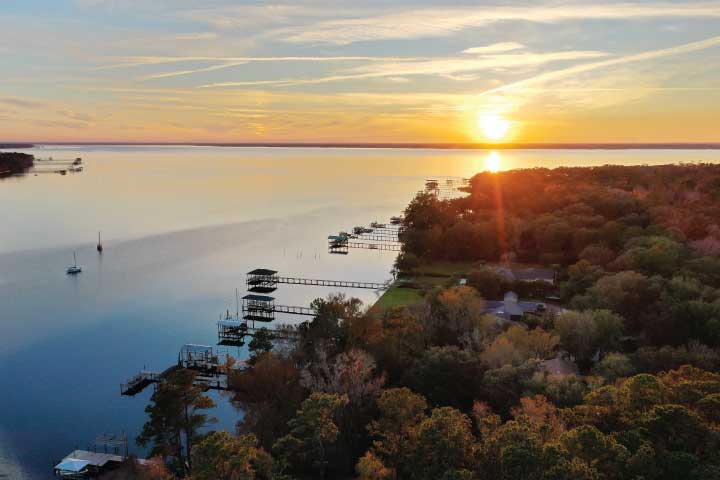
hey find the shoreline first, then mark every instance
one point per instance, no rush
(404, 146)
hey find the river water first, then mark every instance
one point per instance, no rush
(181, 226)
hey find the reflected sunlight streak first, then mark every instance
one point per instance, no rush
(493, 162)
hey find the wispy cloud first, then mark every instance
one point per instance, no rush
(441, 66)
(588, 67)
(435, 22)
(197, 36)
(141, 61)
(193, 71)
(495, 48)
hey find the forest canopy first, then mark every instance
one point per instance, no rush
(617, 376)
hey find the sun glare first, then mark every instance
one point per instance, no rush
(493, 127)
(492, 162)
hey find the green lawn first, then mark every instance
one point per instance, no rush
(398, 296)
(445, 268)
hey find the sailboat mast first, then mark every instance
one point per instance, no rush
(75, 258)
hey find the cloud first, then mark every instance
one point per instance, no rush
(197, 36)
(442, 66)
(588, 67)
(495, 48)
(193, 71)
(140, 61)
(434, 22)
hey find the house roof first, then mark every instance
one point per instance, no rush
(262, 271)
(80, 459)
(259, 298)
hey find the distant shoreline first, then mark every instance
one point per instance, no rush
(427, 146)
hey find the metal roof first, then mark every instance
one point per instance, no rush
(262, 271)
(260, 298)
(78, 457)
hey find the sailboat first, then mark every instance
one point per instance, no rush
(74, 270)
(99, 245)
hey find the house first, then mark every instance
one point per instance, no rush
(510, 308)
(529, 274)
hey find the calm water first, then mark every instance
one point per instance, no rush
(181, 226)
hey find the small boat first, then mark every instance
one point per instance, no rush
(99, 245)
(74, 270)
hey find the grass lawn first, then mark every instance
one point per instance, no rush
(445, 268)
(397, 296)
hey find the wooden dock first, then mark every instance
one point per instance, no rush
(209, 364)
(263, 280)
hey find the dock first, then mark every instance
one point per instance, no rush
(210, 365)
(264, 280)
(262, 308)
(340, 245)
(233, 332)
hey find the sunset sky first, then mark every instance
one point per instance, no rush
(359, 71)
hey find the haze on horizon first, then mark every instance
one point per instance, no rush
(410, 71)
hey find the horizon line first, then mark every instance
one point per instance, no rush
(404, 145)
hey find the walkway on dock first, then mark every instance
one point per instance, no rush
(263, 280)
(332, 283)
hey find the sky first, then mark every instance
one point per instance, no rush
(359, 71)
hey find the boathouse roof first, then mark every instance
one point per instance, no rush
(262, 271)
(259, 298)
(80, 459)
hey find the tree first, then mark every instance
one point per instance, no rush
(221, 456)
(262, 342)
(445, 445)
(396, 429)
(578, 334)
(488, 282)
(131, 469)
(613, 366)
(311, 431)
(175, 417)
(597, 449)
(370, 467)
(351, 373)
(268, 394)
(445, 376)
(454, 312)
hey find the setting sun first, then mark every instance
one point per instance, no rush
(493, 127)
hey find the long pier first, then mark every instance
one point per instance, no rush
(331, 283)
(263, 280)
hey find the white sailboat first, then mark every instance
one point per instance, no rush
(74, 270)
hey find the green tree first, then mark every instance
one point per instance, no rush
(395, 431)
(445, 445)
(262, 342)
(221, 456)
(311, 431)
(175, 417)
